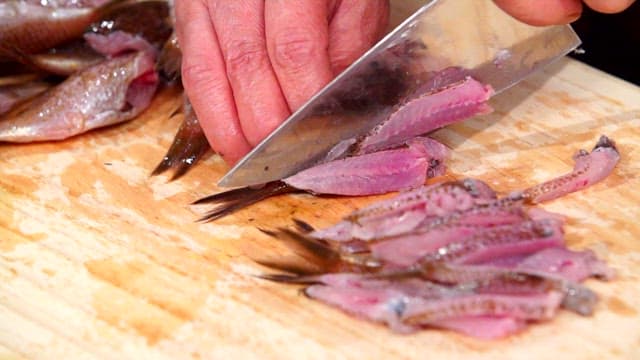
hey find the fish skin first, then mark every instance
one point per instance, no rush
(11, 95)
(170, 59)
(32, 28)
(188, 147)
(90, 99)
(589, 169)
(27, 27)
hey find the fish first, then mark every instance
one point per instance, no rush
(119, 42)
(495, 265)
(432, 109)
(589, 169)
(188, 147)
(28, 27)
(409, 210)
(14, 94)
(111, 92)
(148, 19)
(63, 60)
(380, 172)
(170, 59)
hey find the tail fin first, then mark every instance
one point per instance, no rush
(188, 147)
(234, 200)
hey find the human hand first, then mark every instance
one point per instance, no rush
(554, 12)
(248, 64)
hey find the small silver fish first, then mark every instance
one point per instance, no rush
(111, 92)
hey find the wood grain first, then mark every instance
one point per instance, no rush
(98, 260)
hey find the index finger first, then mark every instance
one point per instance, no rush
(298, 45)
(205, 80)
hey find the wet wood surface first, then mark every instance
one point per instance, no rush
(100, 260)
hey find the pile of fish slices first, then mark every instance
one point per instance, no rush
(453, 255)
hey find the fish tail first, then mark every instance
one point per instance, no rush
(188, 147)
(312, 250)
(236, 199)
(606, 142)
(303, 226)
(170, 59)
(579, 299)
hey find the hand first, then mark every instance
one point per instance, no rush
(248, 64)
(554, 12)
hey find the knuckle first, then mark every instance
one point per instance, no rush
(244, 55)
(199, 78)
(293, 49)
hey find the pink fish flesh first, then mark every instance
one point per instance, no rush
(429, 112)
(118, 42)
(407, 210)
(483, 327)
(589, 168)
(568, 264)
(385, 171)
(108, 93)
(525, 237)
(376, 173)
(405, 305)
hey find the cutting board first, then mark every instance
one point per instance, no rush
(100, 260)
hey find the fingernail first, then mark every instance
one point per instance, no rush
(573, 17)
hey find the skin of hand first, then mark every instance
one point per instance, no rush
(557, 12)
(248, 64)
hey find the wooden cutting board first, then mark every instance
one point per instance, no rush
(99, 260)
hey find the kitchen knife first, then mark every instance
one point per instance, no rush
(473, 34)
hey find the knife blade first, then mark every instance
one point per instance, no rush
(492, 46)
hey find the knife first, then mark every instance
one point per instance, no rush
(476, 35)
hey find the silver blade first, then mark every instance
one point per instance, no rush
(473, 34)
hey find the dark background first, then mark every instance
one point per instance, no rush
(611, 42)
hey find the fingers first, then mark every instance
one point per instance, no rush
(609, 6)
(261, 106)
(356, 26)
(542, 12)
(205, 81)
(297, 42)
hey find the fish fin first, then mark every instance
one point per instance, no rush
(307, 247)
(606, 142)
(236, 199)
(579, 299)
(293, 268)
(187, 149)
(170, 59)
(290, 279)
(303, 226)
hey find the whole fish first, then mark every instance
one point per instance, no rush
(28, 27)
(108, 93)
